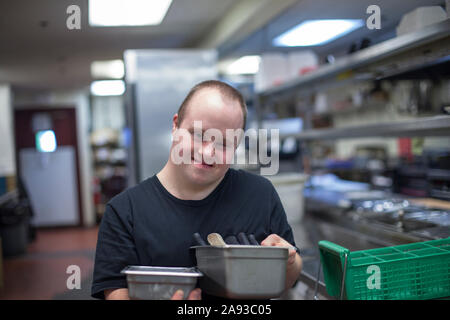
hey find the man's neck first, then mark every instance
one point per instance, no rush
(174, 183)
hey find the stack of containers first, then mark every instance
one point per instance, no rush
(278, 68)
(420, 18)
(273, 71)
(301, 62)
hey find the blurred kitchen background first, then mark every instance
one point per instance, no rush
(363, 108)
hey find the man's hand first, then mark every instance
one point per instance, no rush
(195, 294)
(122, 294)
(117, 294)
(294, 265)
(275, 240)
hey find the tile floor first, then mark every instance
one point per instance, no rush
(40, 273)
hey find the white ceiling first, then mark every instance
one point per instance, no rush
(38, 51)
(33, 55)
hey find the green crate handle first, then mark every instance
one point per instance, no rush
(343, 255)
(333, 248)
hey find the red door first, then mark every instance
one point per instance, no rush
(65, 129)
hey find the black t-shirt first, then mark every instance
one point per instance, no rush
(146, 225)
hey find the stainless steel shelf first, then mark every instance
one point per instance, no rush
(376, 53)
(429, 126)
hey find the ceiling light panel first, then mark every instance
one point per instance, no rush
(245, 65)
(107, 69)
(115, 13)
(317, 32)
(107, 88)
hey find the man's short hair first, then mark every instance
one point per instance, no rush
(227, 92)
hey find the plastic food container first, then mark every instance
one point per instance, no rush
(159, 283)
(242, 271)
(418, 270)
(289, 187)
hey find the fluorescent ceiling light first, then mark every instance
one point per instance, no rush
(317, 32)
(244, 65)
(108, 69)
(108, 88)
(113, 13)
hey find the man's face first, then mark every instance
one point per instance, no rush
(207, 119)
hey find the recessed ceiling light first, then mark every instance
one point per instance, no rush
(245, 65)
(107, 88)
(317, 32)
(113, 13)
(107, 69)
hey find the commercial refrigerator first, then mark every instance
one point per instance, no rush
(157, 81)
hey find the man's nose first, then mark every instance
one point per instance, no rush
(207, 149)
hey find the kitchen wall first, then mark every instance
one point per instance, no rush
(7, 160)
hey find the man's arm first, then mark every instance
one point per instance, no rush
(293, 270)
(294, 265)
(115, 249)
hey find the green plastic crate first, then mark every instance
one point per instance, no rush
(418, 270)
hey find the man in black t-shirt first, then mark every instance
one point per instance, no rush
(152, 223)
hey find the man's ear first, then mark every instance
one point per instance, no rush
(175, 122)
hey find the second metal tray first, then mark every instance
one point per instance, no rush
(241, 271)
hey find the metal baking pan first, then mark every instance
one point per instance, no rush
(242, 271)
(159, 283)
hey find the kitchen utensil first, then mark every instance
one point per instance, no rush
(198, 239)
(159, 283)
(243, 239)
(231, 240)
(216, 240)
(252, 240)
